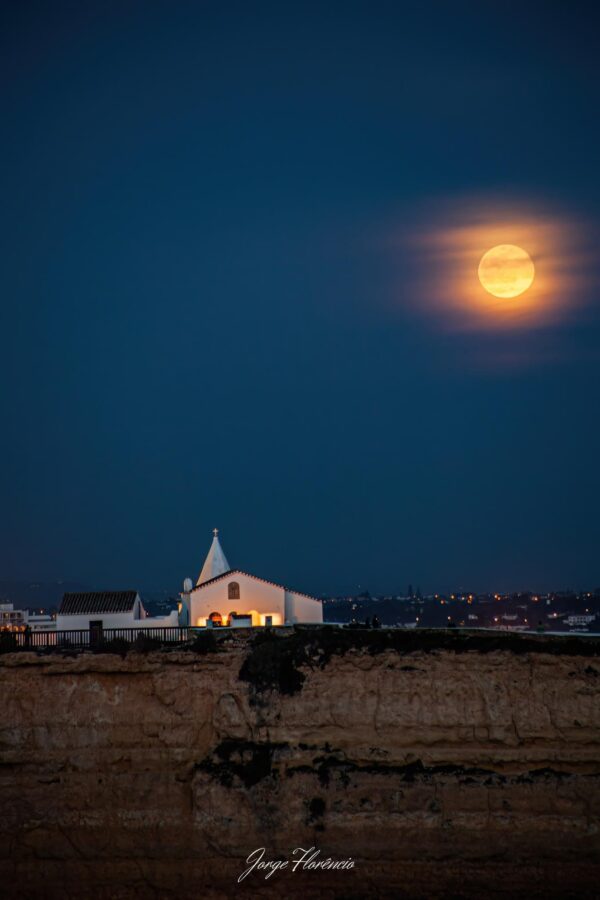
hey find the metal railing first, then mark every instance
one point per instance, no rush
(91, 638)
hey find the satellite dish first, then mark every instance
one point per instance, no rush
(188, 585)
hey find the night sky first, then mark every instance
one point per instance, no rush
(215, 306)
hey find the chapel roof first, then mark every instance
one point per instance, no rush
(215, 563)
(97, 602)
(231, 572)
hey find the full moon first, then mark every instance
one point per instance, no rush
(506, 271)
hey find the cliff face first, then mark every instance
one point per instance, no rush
(441, 773)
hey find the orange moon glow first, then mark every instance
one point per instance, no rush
(506, 271)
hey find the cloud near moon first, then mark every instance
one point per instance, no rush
(447, 246)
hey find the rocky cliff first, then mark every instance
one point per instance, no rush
(443, 765)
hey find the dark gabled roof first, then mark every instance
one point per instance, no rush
(231, 572)
(97, 602)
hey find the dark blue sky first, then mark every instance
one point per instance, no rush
(198, 285)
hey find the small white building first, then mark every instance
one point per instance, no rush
(12, 619)
(225, 596)
(108, 609)
(41, 622)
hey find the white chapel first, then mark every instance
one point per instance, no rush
(231, 597)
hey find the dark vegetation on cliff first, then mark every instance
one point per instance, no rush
(246, 760)
(203, 643)
(276, 658)
(279, 658)
(250, 762)
(144, 643)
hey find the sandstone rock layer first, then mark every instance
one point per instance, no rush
(441, 773)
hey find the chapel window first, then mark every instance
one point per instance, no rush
(233, 590)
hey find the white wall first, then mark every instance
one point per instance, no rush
(135, 618)
(109, 620)
(299, 608)
(184, 609)
(260, 598)
(257, 597)
(170, 621)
